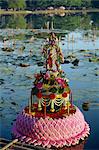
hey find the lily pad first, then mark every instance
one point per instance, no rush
(8, 49)
(24, 65)
(14, 103)
(1, 81)
(94, 59)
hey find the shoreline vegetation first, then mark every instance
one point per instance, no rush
(54, 11)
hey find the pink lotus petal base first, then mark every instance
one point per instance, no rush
(48, 132)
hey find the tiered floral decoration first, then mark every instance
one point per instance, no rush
(50, 86)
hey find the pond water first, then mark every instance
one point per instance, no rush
(21, 39)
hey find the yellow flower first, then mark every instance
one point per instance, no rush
(33, 113)
(45, 86)
(58, 96)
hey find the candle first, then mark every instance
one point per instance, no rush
(30, 103)
(45, 108)
(68, 107)
(71, 98)
(39, 105)
(52, 106)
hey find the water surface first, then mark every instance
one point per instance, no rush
(23, 36)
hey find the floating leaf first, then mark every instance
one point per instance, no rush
(53, 90)
(14, 103)
(61, 90)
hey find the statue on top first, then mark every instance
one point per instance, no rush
(53, 53)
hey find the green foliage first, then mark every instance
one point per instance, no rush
(54, 3)
(86, 3)
(16, 21)
(85, 22)
(66, 22)
(16, 4)
(12, 4)
(60, 90)
(37, 21)
(53, 90)
(43, 4)
(75, 2)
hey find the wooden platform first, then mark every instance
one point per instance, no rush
(4, 143)
(15, 145)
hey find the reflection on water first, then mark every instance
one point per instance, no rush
(20, 58)
(64, 21)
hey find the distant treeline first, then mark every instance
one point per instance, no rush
(45, 4)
